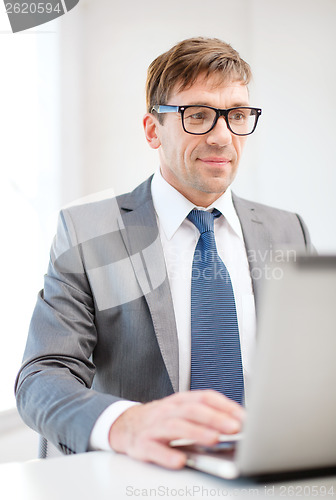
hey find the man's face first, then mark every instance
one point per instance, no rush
(201, 167)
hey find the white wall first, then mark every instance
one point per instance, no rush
(293, 55)
(289, 162)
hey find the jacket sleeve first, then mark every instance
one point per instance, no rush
(53, 386)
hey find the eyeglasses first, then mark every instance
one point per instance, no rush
(199, 120)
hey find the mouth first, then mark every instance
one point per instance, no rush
(215, 161)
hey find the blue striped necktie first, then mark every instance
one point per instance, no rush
(215, 347)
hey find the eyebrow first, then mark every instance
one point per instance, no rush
(234, 105)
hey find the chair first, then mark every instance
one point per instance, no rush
(47, 449)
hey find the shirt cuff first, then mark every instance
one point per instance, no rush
(99, 438)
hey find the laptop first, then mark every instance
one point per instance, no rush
(291, 414)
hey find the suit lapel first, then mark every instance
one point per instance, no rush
(139, 230)
(257, 242)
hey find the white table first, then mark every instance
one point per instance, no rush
(105, 475)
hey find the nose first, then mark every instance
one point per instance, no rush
(220, 135)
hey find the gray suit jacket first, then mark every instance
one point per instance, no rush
(104, 326)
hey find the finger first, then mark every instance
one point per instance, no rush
(209, 417)
(229, 412)
(176, 428)
(215, 400)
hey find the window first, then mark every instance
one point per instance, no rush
(29, 131)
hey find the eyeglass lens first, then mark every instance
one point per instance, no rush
(199, 120)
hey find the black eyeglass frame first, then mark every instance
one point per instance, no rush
(169, 108)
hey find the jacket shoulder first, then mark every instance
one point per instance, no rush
(282, 224)
(101, 213)
(260, 207)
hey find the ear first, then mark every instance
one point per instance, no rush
(151, 125)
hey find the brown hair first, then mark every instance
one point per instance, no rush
(186, 61)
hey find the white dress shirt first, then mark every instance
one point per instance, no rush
(179, 238)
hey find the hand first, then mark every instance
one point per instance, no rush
(145, 431)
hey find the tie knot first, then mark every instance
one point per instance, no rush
(203, 220)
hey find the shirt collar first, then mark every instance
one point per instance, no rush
(166, 196)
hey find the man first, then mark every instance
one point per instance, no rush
(120, 320)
